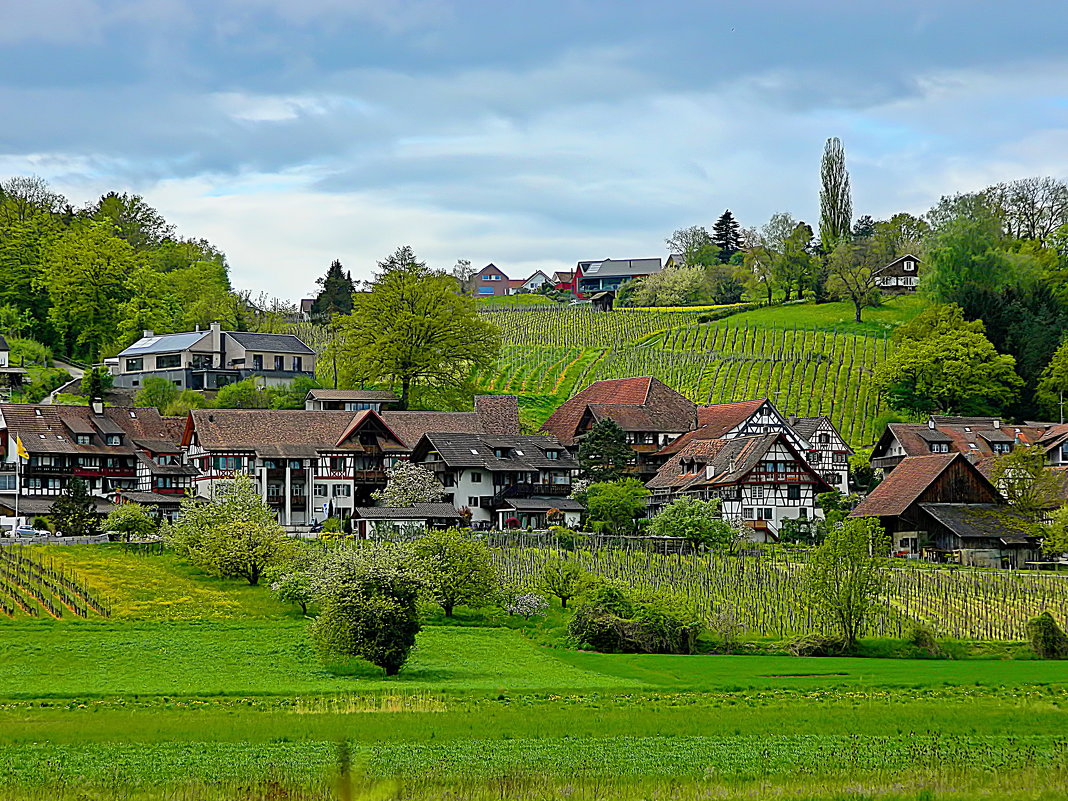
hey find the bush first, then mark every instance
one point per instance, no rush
(923, 638)
(566, 539)
(527, 605)
(130, 521)
(615, 618)
(1047, 638)
(818, 645)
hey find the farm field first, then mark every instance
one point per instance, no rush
(810, 360)
(138, 706)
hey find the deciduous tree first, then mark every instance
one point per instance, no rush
(846, 575)
(411, 327)
(699, 522)
(855, 268)
(407, 484)
(457, 569)
(130, 521)
(616, 505)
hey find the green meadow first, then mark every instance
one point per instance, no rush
(199, 688)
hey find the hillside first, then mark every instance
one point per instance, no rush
(809, 359)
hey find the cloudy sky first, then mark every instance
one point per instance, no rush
(530, 134)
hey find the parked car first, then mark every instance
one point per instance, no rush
(27, 531)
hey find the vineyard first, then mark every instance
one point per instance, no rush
(762, 592)
(31, 586)
(555, 352)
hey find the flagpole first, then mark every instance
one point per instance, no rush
(18, 485)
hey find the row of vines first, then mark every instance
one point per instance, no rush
(806, 372)
(763, 592)
(33, 586)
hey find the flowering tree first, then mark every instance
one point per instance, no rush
(408, 484)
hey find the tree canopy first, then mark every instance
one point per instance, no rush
(335, 293)
(413, 327)
(603, 452)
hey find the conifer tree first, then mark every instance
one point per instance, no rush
(335, 297)
(727, 236)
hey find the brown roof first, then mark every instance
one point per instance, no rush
(497, 414)
(351, 395)
(720, 418)
(52, 428)
(668, 410)
(970, 436)
(907, 482)
(280, 432)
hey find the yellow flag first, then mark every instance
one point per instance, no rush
(20, 449)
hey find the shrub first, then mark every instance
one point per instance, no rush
(527, 605)
(511, 522)
(1047, 637)
(616, 618)
(923, 639)
(566, 539)
(130, 521)
(368, 605)
(818, 645)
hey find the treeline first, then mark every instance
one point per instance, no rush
(86, 282)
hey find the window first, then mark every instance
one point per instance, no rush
(270, 464)
(476, 477)
(279, 363)
(83, 439)
(113, 439)
(815, 457)
(824, 439)
(910, 266)
(257, 362)
(448, 480)
(803, 513)
(135, 365)
(342, 490)
(201, 361)
(472, 501)
(295, 464)
(227, 462)
(793, 492)
(298, 364)
(7, 483)
(485, 290)
(320, 490)
(502, 453)
(168, 361)
(748, 514)
(839, 458)
(274, 490)
(939, 447)
(297, 489)
(165, 482)
(765, 514)
(337, 463)
(552, 455)
(1001, 447)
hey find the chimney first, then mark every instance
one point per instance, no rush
(931, 424)
(98, 406)
(148, 332)
(216, 343)
(997, 423)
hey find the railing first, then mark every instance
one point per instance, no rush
(530, 490)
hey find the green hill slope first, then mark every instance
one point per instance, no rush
(809, 359)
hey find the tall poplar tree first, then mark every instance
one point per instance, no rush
(836, 202)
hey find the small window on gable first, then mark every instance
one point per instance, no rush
(910, 266)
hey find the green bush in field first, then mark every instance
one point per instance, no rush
(236, 537)
(457, 569)
(368, 608)
(563, 579)
(618, 619)
(1047, 637)
(130, 521)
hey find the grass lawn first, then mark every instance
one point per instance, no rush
(878, 320)
(161, 586)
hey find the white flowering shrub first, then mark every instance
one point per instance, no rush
(528, 605)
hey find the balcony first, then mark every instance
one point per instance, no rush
(530, 491)
(886, 462)
(369, 477)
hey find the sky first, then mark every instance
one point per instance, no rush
(527, 134)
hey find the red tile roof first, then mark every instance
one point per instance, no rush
(671, 410)
(905, 484)
(714, 422)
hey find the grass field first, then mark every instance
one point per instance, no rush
(809, 359)
(168, 700)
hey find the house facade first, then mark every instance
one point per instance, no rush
(501, 477)
(311, 465)
(348, 400)
(214, 358)
(490, 282)
(761, 479)
(530, 284)
(900, 276)
(110, 449)
(941, 507)
(607, 275)
(11, 378)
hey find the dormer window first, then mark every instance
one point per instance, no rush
(939, 447)
(502, 453)
(113, 439)
(552, 454)
(83, 439)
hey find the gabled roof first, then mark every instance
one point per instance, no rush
(164, 343)
(295, 433)
(982, 521)
(277, 343)
(351, 395)
(714, 422)
(526, 452)
(419, 511)
(53, 428)
(671, 410)
(806, 427)
(973, 436)
(907, 256)
(611, 268)
(724, 461)
(909, 480)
